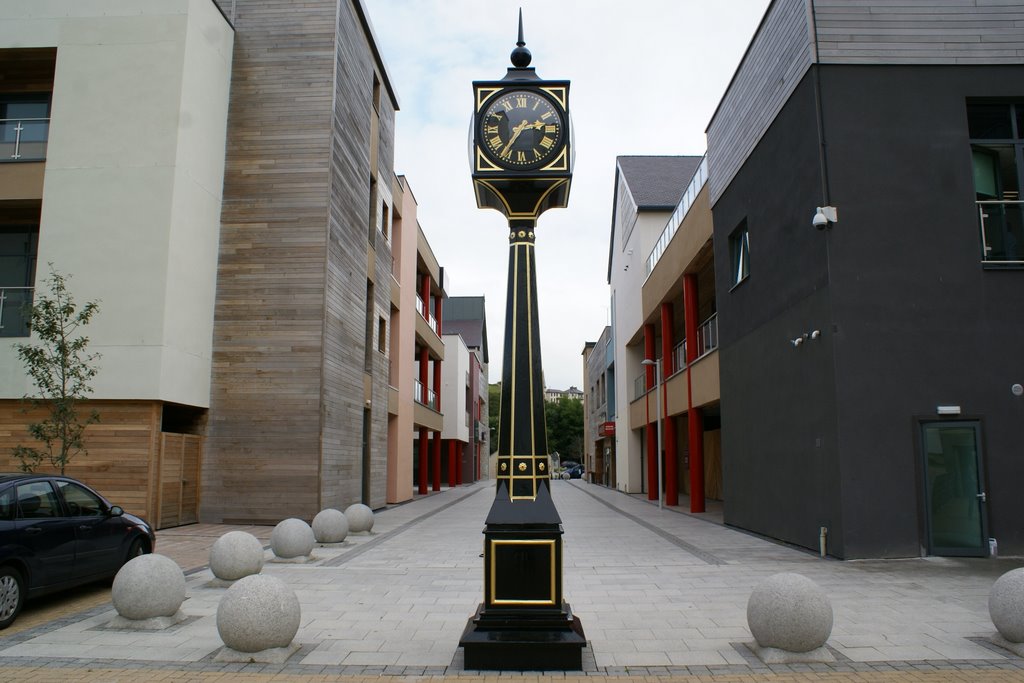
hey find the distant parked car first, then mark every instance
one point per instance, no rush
(574, 471)
(56, 533)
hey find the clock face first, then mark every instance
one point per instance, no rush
(521, 130)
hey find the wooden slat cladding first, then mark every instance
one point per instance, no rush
(919, 31)
(178, 485)
(345, 351)
(774, 64)
(123, 446)
(285, 427)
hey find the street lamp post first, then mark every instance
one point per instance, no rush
(657, 395)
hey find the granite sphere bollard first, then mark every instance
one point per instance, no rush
(1006, 605)
(258, 612)
(292, 538)
(360, 517)
(330, 526)
(148, 586)
(790, 612)
(236, 554)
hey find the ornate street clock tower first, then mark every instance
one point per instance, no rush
(521, 156)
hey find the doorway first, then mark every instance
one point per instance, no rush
(954, 489)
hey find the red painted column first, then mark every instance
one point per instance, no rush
(422, 483)
(458, 468)
(452, 479)
(652, 433)
(694, 416)
(667, 368)
(437, 461)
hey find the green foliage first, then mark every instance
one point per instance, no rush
(565, 428)
(60, 370)
(493, 412)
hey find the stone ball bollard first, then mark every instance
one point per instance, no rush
(292, 538)
(790, 612)
(330, 526)
(1006, 605)
(148, 586)
(360, 517)
(258, 612)
(236, 554)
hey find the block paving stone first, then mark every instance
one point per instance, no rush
(661, 593)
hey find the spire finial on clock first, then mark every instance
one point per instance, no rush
(521, 56)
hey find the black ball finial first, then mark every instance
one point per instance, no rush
(521, 57)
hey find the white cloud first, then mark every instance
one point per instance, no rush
(646, 77)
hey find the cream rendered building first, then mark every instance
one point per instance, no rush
(126, 199)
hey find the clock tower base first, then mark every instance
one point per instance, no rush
(523, 641)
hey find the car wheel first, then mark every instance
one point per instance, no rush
(565, 476)
(12, 595)
(136, 549)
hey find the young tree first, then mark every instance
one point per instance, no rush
(60, 370)
(565, 428)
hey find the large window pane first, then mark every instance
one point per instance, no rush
(739, 252)
(995, 172)
(989, 121)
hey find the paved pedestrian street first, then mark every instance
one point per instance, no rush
(660, 593)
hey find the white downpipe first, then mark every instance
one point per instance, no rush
(822, 540)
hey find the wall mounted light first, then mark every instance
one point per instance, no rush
(1017, 390)
(947, 410)
(815, 334)
(825, 216)
(797, 342)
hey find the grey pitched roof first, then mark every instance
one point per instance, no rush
(657, 182)
(466, 315)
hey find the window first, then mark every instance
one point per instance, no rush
(739, 253)
(385, 220)
(996, 130)
(17, 272)
(382, 335)
(7, 505)
(80, 502)
(24, 127)
(37, 501)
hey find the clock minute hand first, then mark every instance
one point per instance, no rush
(516, 132)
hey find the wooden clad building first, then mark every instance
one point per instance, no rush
(298, 410)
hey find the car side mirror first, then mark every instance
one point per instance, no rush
(115, 511)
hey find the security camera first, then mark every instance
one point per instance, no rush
(824, 216)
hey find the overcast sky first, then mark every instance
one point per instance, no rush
(645, 76)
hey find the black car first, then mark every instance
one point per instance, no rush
(56, 533)
(573, 470)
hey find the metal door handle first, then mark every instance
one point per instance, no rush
(981, 497)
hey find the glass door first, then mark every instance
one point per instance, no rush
(954, 491)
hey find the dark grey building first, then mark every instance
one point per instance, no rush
(871, 364)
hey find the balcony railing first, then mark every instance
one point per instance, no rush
(13, 302)
(1002, 232)
(707, 341)
(23, 139)
(425, 396)
(425, 314)
(700, 177)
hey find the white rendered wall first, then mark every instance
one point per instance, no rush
(453, 388)
(133, 181)
(627, 277)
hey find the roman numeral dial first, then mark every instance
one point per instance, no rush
(521, 130)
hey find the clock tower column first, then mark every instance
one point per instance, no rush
(521, 158)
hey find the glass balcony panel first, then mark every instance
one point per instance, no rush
(13, 304)
(1002, 232)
